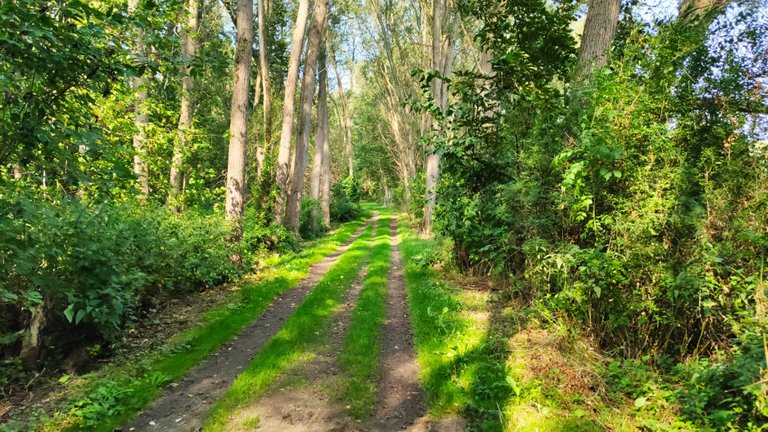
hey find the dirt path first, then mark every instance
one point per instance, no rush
(183, 405)
(401, 400)
(302, 399)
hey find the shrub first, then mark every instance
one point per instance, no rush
(343, 209)
(311, 219)
(92, 265)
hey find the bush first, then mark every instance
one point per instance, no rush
(343, 209)
(93, 265)
(260, 236)
(311, 219)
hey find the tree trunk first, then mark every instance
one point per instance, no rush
(442, 61)
(325, 172)
(296, 187)
(322, 112)
(238, 124)
(141, 118)
(346, 121)
(284, 153)
(266, 87)
(189, 45)
(599, 29)
(31, 345)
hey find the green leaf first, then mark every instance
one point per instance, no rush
(69, 312)
(80, 315)
(641, 402)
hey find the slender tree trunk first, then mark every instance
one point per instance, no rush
(284, 153)
(325, 172)
(346, 120)
(296, 187)
(238, 123)
(262, 148)
(599, 29)
(189, 45)
(322, 112)
(442, 61)
(141, 118)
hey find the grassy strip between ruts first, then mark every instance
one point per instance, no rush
(295, 340)
(361, 349)
(104, 399)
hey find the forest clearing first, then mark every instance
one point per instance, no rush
(383, 215)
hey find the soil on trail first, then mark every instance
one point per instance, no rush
(305, 398)
(401, 400)
(183, 405)
(302, 399)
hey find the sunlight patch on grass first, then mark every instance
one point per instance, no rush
(447, 338)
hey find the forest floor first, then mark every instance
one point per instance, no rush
(361, 331)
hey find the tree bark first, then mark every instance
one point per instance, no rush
(238, 124)
(265, 86)
(325, 172)
(141, 118)
(321, 135)
(284, 153)
(322, 112)
(31, 346)
(599, 29)
(296, 187)
(190, 43)
(442, 61)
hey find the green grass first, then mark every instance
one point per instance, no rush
(295, 340)
(102, 400)
(446, 341)
(361, 348)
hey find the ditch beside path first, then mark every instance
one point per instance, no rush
(183, 405)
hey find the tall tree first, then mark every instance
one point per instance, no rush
(321, 133)
(325, 170)
(442, 61)
(599, 29)
(141, 117)
(284, 153)
(265, 87)
(238, 123)
(190, 43)
(296, 186)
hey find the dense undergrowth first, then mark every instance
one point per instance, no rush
(631, 204)
(505, 363)
(103, 399)
(94, 267)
